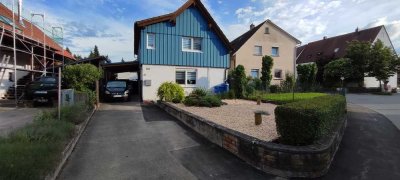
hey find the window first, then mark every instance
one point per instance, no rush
(180, 77)
(254, 73)
(258, 50)
(278, 73)
(191, 44)
(186, 77)
(151, 41)
(275, 51)
(266, 30)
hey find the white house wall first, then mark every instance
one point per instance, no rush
(371, 82)
(206, 78)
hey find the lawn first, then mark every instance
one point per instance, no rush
(283, 98)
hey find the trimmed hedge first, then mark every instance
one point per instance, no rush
(304, 122)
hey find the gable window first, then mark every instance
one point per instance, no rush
(151, 41)
(266, 30)
(275, 51)
(191, 44)
(258, 50)
(254, 73)
(278, 73)
(186, 76)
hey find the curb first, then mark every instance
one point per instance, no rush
(69, 148)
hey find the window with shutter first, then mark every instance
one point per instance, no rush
(191, 44)
(191, 77)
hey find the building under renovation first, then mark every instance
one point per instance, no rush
(36, 52)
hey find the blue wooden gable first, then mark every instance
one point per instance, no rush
(168, 43)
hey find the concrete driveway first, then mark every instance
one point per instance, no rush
(386, 105)
(130, 141)
(13, 118)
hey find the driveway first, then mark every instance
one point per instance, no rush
(386, 105)
(13, 118)
(130, 141)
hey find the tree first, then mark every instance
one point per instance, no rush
(96, 51)
(77, 57)
(91, 55)
(266, 71)
(336, 69)
(67, 49)
(122, 60)
(360, 53)
(81, 77)
(239, 81)
(384, 63)
(307, 75)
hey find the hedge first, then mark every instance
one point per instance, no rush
(304, 122)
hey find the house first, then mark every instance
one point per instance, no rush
(265, 39)
(186, 47)
(328, 49)
(31, 59)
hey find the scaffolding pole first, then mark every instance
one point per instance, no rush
(15, 57)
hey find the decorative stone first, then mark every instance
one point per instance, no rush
(258, 117)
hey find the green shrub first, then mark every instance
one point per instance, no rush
(304, 122)
(199, 92)
(287, 85)
(239, 81)
(171, 92)
(203, 101)
(227, 95)
(81, 77)
(266, 71)
(274, 88)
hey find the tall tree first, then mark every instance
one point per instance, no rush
(67, 49)
(359, 52)
(266, 71)
(336, 69)
(239, 78)
(384, 63)
(91, 55)
(96, 51)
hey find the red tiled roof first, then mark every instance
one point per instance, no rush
(327, 47)
(33, 33)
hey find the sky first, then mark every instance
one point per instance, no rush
(109, 23)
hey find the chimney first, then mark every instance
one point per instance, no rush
(20, 13)
(325, 37)
(252, 26)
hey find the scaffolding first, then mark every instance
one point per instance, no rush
(41, 56)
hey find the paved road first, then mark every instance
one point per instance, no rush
(129, 141)
(13, 118)
(386, 105)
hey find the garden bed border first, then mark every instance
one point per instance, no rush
(283, 160)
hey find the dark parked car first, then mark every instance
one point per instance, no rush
(42, 90)
(118, 89)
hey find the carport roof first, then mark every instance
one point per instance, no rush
(131, 66)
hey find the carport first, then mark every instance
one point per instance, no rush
(111, 69)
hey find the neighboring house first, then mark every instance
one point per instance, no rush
(328, 49)
(265, 39)
(186, 47)
(31, 61)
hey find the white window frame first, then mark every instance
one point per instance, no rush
(255, 53)
(275, 55)
(147, 41)
(253, 70)
(186, 76)
(192, 44)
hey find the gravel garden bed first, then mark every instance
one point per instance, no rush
(239, 116)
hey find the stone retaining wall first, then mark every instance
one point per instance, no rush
(278, 159)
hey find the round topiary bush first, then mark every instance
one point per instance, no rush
(171, 92)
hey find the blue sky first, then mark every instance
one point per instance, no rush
(109, 23)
